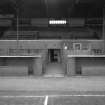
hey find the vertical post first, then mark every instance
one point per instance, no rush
(46, 4)
(104, 27)
(17, 7)
(39, 63)
(37, 66)
(71, 66)
(64, 60)
(17, 29)
(103, 24)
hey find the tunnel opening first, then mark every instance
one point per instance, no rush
(54, 66)
(54, 56)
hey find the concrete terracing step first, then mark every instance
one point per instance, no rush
(20, 34)
(54, 70)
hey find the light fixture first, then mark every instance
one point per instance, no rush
(65, 47)
(57, 22)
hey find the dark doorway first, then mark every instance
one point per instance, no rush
(54, 66)
(54, 55)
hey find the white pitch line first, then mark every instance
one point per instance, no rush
(46, 100)
(22, 96)
(48, 96)
(77, 95)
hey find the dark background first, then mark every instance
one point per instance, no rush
(53, 8)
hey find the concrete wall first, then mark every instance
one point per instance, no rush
(21, 66)
(90, 66)
(35, 66)
(13, 70)
(15, 66)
